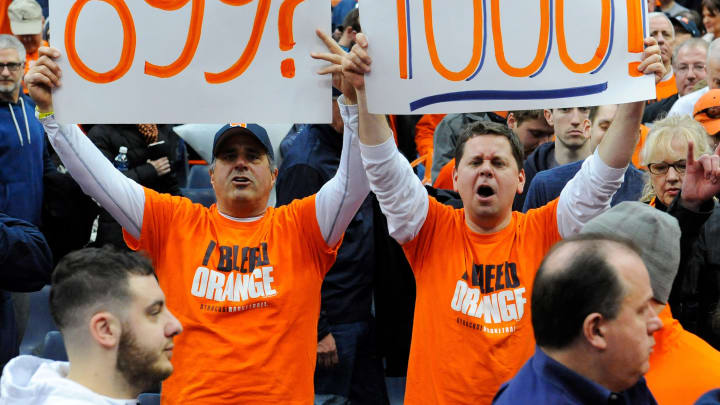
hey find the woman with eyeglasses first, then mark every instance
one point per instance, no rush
(694, 294)
(664, 154)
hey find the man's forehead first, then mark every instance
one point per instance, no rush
(145, 290)
(9, 54)
(488, 145)
(660, 23)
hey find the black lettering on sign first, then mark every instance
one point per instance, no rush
(225, 263)
(489, 276)
(245, 252)
(498, 283)
(512, 280)
(208, 252)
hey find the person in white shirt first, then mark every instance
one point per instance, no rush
(117, 330)
(685, 104)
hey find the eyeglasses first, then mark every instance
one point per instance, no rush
(662, 167)
(13, 67)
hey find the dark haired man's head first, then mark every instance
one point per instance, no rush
(530, 127)
(111, 310)
(350, 28)
(569, 125)
(591, 309)
(488, 174)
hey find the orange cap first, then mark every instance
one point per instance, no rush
(710, 100)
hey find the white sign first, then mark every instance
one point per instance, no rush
(200, 61)
(489, 55)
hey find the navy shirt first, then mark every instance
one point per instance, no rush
(543, 380)
(547, 185)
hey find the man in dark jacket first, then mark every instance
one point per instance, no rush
(148, 170)
(347, 367)
(572, 133)
(25, 265)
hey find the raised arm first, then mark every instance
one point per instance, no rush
(121, 197)
(402, 197)
(339, 199)
(590, 191)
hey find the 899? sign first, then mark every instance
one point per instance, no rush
(190, 61)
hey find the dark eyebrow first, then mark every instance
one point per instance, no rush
(155, 305)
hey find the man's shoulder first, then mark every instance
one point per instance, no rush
(537, 160)
(685, 104)
(305, 147)
(559, 174)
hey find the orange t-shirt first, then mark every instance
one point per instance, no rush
(472, 329)
(424, 132)
(644, 131)
(665, 88)
(444, 179)
(682, 366)
(247, 295)
(30, 60)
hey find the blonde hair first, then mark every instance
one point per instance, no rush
(659, 142)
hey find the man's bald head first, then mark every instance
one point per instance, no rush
(578, 277)
(662, 30)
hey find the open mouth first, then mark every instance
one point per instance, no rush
(485, 191)
(240, 181)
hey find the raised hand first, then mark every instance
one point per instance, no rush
(702, 178)
(652, 62)
(43, 77)
(335, 57)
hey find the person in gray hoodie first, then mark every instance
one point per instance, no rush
(117, 330)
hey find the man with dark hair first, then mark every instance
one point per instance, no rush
(572, 132)
(682, 366)
(117, 331)
(548, 184)
(350, 28)
(474, 267)
(593, 325)
(531, 128)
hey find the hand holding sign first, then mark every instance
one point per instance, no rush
(652, 62)
(344, 83)
(43, 77)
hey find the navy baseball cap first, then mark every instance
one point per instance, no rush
(254, 130)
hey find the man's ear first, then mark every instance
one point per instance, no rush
(521, 181)
(454, 177)
(511, 121)
(549, 117)
(274, 175)
(105, 329)
(594, 330)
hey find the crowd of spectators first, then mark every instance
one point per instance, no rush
(559, 255)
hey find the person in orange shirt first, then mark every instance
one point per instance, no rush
(424, 131)
(243, 278)
(682, 366)
(662, 30)
(26, 22)
(474, 267)
(531, 128)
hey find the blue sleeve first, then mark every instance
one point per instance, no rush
(535, 197)
(25, 258)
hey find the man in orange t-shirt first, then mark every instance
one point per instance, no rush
(243, 278)
(474, 267)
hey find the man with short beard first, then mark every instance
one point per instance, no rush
(117, 331)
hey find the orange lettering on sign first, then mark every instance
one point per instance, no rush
(477, 43)
(543, 41)
(402, 38)
(128, 50)
(248, 54)
(602, 49)
(191, 43)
